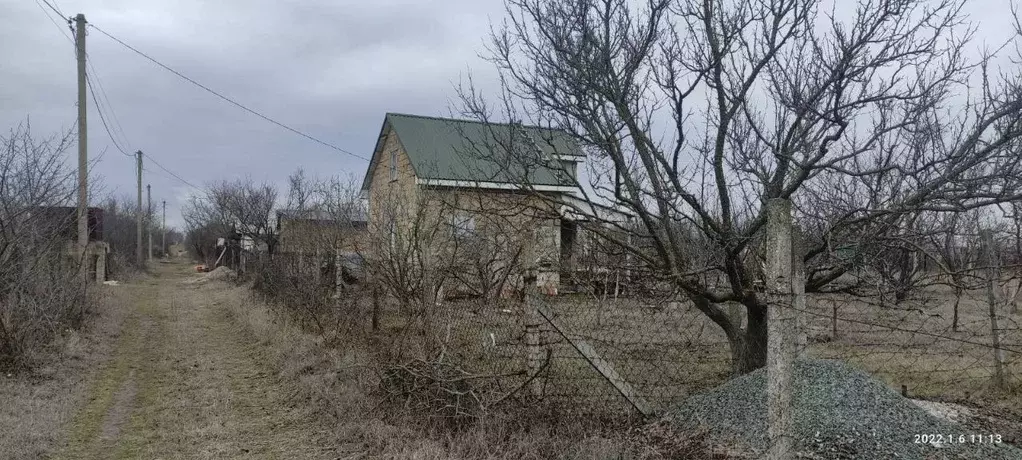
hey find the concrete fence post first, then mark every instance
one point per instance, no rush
(798, 292)
(782, 325)
(532, 320)
(338, 271)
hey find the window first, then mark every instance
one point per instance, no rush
(463, 225)
(393, 165)
(567, 167)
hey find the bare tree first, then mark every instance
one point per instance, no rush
(120, 232)
(242, 207)
(698, 111)
(41, 292)
(1013, 214)
(485, 237)
(956, 253)
(410, 260)
(300, 189)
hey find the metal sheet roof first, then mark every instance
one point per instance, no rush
(472, 151)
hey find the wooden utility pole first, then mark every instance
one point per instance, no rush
(138, 233)
(163, 240)
(149, 218)
(83, 172)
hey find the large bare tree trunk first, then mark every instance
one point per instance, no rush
(749, 345)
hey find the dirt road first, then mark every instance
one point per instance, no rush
(186, 381)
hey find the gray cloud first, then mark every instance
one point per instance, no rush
(331, 69)
(328, 68)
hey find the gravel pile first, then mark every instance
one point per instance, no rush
(221, 274)
(840, 413)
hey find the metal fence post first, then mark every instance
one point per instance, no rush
(781, 326)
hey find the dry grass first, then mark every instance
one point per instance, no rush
(38, 405)
(666, 350)
(171, 377)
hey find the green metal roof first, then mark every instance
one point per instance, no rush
(464, 150)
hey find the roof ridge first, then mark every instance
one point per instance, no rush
(467, 120)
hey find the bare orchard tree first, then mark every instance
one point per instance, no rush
(324, 218)
(1012, 212)
(956, 253)
(204, 224)
(243, 207)
(339, 200)
(409, 258)
(698, 111)
(300, 190)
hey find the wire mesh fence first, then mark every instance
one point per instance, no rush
(623, 356)
(917, 344)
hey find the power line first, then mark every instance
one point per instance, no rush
(170, 172)
(55, 10)
(94, 74)
(229, 100)
(74, 126)
(106, 99)
(50, 17)
(99, 110)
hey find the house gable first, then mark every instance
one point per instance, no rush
(388, 145)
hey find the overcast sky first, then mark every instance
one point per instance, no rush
(328, 68)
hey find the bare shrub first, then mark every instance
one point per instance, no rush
(41, 290)
(438, 390)
(120, 226)
(284, 281)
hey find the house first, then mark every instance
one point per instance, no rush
(309, 231)
(322, 242)
(447, 187)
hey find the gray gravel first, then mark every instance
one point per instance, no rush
(840, 413)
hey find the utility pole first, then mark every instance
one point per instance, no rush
(149, 217)
(163, 241)
(83, 172)
(138, 234)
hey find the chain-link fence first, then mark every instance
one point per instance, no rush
(916, 344)
(615, 356)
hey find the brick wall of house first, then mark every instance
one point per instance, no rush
(526, 220)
